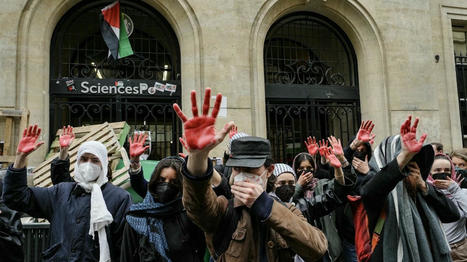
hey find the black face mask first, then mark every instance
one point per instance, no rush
(165, 192)
(443, 176)
(360, 155)
(285, 192)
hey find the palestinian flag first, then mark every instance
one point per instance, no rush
(114, 31)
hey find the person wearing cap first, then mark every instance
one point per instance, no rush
(252, 226)
(86, 217)
(401, 210)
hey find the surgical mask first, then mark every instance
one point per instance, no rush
(252, 178)
(285, 192)
(89, 171)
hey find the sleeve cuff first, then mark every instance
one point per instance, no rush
(262, 207)
(205, 177)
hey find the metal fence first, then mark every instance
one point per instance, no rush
(289, 124)
(36, 241)
(140, 113)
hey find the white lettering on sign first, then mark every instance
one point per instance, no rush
(120, 88)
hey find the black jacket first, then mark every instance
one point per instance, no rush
(67, 208)
(184, 239)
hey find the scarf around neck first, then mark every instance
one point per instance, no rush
(100, 216)
(146, 219)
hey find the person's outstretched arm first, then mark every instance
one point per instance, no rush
(200, 137)
(36, 201)
(60, 167)
(137, 148)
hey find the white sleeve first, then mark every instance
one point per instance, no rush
(459, 196)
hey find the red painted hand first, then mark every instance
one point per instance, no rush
(333, 161)
(199, 133)
(28, 144)
(311, 145)
(409, 136)
(323, 146)
(137, 147)
(336, 146)
(233, 131)
(67, 136)
(364, 133)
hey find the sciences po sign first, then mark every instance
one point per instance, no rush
(111, 87)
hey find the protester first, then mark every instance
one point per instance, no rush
(304, 166)
(444, 175)
(284, 187)
(86, 217)
(158, 229)
(397, 205)
(328, 194)
(459, 158)
(252, 226)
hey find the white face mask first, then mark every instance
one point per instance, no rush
(89, 171)
(252, 178)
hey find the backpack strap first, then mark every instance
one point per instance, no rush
(378, 229)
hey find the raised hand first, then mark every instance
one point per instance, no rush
(67, 136)
(233, 131)
(336, 146)
(333, 161)
(323, 147)
(199, 132)
(28, 142)
(364, 133)
(137, 147)
(311, 145)
(409, 136)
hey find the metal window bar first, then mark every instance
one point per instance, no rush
(461, 76)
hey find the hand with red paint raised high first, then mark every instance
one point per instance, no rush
(323, 147)
(65, 140)
(200, 136)
(409, 143)
(27, 145)
(311, 145)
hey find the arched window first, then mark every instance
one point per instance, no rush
(89, 87)
(311, 83)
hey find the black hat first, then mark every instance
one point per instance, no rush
(249, 151)
(424, 159)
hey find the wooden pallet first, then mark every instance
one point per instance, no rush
(103, 133)
(10, 115)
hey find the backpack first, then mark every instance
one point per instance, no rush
(365, 245)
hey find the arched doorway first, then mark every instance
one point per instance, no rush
(87, 86)
(311, 83)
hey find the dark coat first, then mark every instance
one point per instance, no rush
(184, 239)
(67, 208)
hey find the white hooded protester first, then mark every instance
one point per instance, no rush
(76, 207)
(91, 174)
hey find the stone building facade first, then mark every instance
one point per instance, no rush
(359, 59)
